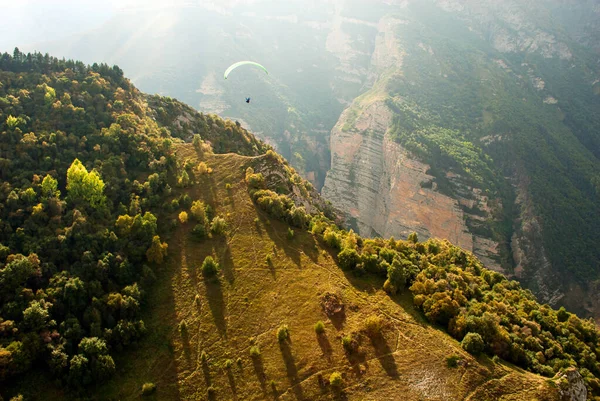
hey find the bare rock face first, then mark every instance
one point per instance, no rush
(532, 265)
(384, 190)
(571, 386)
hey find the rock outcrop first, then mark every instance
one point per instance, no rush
(528, 250)
(571, 386)
(384, 190)
(381, 187)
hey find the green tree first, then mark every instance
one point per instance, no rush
(36, 316)
(396, 277)
(413, 237)
(16, 273)
(85, 187)
(28, 195)
(157, 251)
(283, 333)
(11, 122)
(332, 238)
(50, 187)
(101, 365)
(198, 210)
(199, 231)
(218, 225)
(473, 343)
(184, 179)
(197, 141)
(50, 94)
(148, 388)
(210, 268)
(336, 380)
(348, 258)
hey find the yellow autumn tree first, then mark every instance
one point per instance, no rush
(202, 168)
(124, 224)
(198, 210)
(157, 251)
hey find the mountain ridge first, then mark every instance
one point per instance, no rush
(452, 73)
(118, 307)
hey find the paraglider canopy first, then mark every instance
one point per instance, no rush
(240, 63)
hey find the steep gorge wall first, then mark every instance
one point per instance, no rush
(386, 191)
(381, 187)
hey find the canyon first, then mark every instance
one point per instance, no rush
(354, 89)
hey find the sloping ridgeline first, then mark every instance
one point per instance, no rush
(453, 289)
(84, 165)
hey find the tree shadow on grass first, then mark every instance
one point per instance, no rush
(226, 263)
(355, 358)
(307, 242)
(338, 319)
(259, 370)
(207, 184)
(214, 294)
(405, 301)
(187, 350)
(277, 232)
(292, 371)
(156, 348)
(232, 383)
(272, 269)
(256, 225)
(206, 373)
(339, 394)
(274, 391)
(325, 345)
(385, 355)
(302, 243)
(231, 195)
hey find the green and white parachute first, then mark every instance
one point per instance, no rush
(240, 63)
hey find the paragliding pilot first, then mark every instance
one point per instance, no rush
(247, 100)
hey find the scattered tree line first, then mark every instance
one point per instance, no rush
(477, 306)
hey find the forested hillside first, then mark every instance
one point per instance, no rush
(84, 166)
(475, 121)
(137, 260)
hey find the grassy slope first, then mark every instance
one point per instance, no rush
(252, 299)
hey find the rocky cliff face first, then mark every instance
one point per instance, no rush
(528, 250)
(571, 386)
(386, 191)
